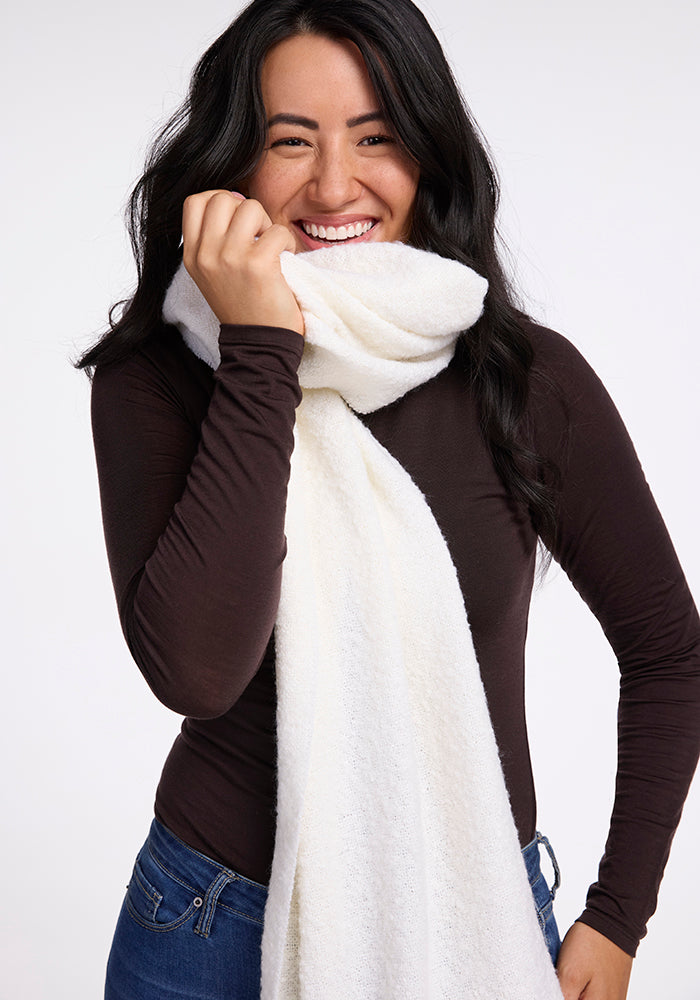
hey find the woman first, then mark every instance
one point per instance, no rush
(311, 124)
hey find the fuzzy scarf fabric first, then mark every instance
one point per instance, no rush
(397, 872)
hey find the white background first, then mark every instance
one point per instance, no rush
(591, 111)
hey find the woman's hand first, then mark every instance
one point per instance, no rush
(232, 250)
(591, 967)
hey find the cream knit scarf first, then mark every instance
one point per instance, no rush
(397, 872)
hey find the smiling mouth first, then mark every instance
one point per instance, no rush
(337, 234)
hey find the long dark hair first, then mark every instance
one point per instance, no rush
(218, 135)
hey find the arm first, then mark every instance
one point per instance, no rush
(194, 517)
(614, 547)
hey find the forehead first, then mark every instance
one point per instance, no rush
(318, 77)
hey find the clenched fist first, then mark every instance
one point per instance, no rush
(232, 250)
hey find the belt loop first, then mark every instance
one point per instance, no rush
(209, 906)
(557, 875)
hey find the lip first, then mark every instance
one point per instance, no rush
(311, 243)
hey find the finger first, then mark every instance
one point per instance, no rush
(193, 213)
(571, 993)
(219, 211)
(573, 985)
(206, 240)
(275, 240)
(249, 222)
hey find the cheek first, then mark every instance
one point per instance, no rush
(401, 189)
(398, 183)
(273, 185)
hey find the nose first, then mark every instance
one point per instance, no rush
(334, 181)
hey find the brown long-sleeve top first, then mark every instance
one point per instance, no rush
(193, 468)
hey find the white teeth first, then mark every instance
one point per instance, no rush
(339, 233)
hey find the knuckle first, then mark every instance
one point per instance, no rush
(216, 200)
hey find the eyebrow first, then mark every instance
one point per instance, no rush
(288, 119)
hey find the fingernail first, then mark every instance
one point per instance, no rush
(237, 194)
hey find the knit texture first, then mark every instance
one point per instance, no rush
(397, 873)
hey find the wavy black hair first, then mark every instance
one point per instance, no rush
(218, 135)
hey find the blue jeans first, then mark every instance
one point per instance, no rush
(192, 928)
(188, 928)
(542, 894)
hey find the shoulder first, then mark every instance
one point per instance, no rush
(561, 373)
(569, 409)
(555, 357)
(162, 369)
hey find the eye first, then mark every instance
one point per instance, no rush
(376, 140)
(292, 142)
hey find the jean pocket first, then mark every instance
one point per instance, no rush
(156, 899)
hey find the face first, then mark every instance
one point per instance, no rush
(332, 171)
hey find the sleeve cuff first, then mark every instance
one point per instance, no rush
(233, 334)
(612, 931)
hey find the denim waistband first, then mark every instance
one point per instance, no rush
(203, 876)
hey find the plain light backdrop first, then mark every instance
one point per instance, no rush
(591, 111)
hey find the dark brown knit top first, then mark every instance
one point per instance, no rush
(193, 467)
